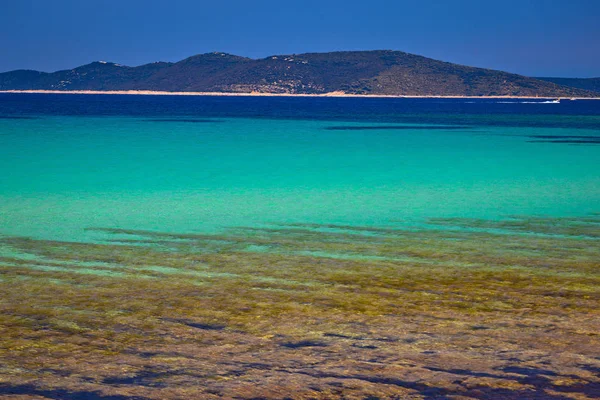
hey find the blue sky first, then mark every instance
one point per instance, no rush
(530, 37)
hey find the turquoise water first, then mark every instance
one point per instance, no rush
(62, 174)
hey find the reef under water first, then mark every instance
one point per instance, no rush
(454, 308)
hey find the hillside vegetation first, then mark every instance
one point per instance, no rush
(381, 72)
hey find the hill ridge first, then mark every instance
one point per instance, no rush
(591, 84)
(376, 72)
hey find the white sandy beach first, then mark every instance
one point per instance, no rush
(260, 94)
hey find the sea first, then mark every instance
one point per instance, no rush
(71, 163)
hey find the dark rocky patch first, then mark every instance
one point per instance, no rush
(430, 392)
(60, 394)
(489, 393)
(338, 335)
(536, 377)
(566, 141)
(410, 340)
(466, 372)
(528, 371)
(304, 343)
(186, 120)
(565, 137)
(261, 366)
(146, 378)
(394, 128)
(479, 327)
(198, 325)
(591, 368)
(572, 139)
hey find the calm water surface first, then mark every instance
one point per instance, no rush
(202, 164)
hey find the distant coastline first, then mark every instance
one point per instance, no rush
(381, 73)
(262, 94)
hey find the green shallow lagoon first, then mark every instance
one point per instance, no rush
(168, 248)
(65, 174)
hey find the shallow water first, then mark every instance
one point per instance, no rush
(200, 247)
(205, 164)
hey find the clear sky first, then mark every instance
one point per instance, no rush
(530, 37)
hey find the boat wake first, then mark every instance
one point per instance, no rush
(557, 101)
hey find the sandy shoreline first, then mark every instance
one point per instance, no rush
(257, 94)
